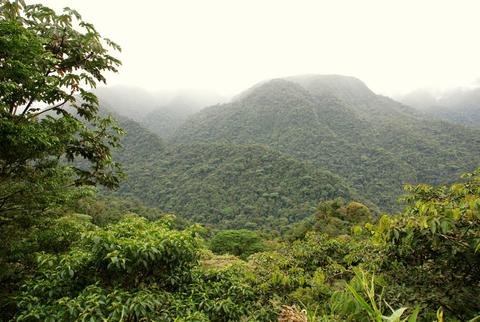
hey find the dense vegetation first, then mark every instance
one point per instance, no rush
(48, 61)
(423, 262)
(229, 186)
(71, 254)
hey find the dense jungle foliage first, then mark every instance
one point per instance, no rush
(283, 239)
(422, 263)
(228, 186)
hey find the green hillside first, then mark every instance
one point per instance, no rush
(227, 185)
(337, 123)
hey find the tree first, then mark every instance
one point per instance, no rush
(52, 139)
(237, 242)
(45, 60)
(433, 247)
(47, 114)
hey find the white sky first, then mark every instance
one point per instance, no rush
(227, 46)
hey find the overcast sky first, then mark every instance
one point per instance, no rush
(227, 46)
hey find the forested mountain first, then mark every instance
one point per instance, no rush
(337, 123)
(460, 106)
(231, 186)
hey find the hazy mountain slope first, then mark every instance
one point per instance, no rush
(338, 123)
(165, 120)
(160, 112)
(231, 186)
(127, 101)
(460, 106)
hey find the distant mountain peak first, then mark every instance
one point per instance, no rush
(345, 87)
(277, 89)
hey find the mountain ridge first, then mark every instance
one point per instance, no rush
(344, 134)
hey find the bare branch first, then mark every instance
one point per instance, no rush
(49, 108)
